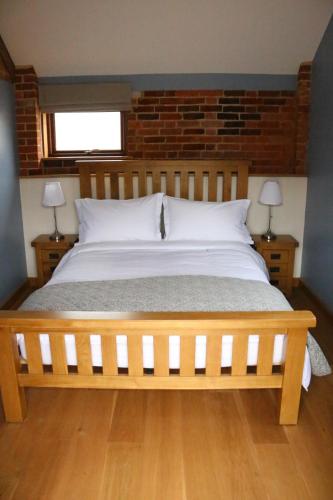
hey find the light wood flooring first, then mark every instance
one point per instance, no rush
(155, 445)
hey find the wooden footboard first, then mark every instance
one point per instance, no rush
(15, 376)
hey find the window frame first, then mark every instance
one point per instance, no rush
(49, 141)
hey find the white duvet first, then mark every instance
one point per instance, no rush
(126, 260)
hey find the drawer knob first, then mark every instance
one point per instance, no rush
(274, 282)
(275, 256)
(274, 269)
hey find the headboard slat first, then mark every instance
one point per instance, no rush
(212, 185)
(170, 170)
(170, 183)
(128, 180)
(114, 179)
(184, 181)
(227, 180)
(198, 185)
(100, 184)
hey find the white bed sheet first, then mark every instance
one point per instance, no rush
(127, 260)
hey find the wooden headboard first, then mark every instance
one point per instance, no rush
(197, 179)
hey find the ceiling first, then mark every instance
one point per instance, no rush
(110, 37)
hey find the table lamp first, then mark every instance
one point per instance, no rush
(53, 196)
(270, 195)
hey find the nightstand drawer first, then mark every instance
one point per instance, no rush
(276, 256)
(52, 255)
(277, 269)
(48, 269)
(282, 283)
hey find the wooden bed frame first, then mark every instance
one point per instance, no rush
(131, 176)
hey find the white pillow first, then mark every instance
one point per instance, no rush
(200, 220)
(120, 220)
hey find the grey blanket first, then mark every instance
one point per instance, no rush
(174, 293)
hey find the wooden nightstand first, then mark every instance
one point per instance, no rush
(49, 254)
(279, 256)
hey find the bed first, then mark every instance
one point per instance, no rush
(170, 343)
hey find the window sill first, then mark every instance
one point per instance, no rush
(85, 157)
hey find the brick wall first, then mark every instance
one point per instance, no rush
(303, 110)
(269, 128)
(28, 122)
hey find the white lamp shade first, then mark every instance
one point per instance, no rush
(53, 195)
(270, 193)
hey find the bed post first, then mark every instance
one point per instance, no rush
(292, 376)
(13, 397)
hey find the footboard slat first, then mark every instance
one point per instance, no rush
(187, 355)
(161, 356)
(109, 355)
(34, 357)
(265, 354)
(213, 356)
(83, 352)
(239, 354)
(134, 350)
(58, 354)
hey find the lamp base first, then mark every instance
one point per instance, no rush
(268, 236)
(56, 236)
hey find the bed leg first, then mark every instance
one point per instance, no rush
(13, 397)
(292, 376)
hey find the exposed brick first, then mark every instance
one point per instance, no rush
(166, 109)
(144, 109)
(148, 116)
(208, 108)
(234, 124)
(250, 131)
(154, 139)
(275, 102)
(193, 116)
(189, 108)
(171, 116)
(197, 131)
(228, 131)
(228, 100)
(227, 116)
(233, 109)
(250, 116)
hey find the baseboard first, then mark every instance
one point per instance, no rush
(315, 299)
(33, 282)
(296, 282)
(20, 294)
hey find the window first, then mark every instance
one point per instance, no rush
(85, 133)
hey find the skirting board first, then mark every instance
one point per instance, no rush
(315, 299)
(16, 299)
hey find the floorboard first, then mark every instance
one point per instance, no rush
(177, 445)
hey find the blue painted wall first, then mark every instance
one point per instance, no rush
(317, 266)
(12, 256)
(207, 81)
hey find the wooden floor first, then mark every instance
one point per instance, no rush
(91, 445)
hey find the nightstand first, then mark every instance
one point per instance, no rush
(279, 256)
(49, 254)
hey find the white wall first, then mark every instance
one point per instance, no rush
(289, 218)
